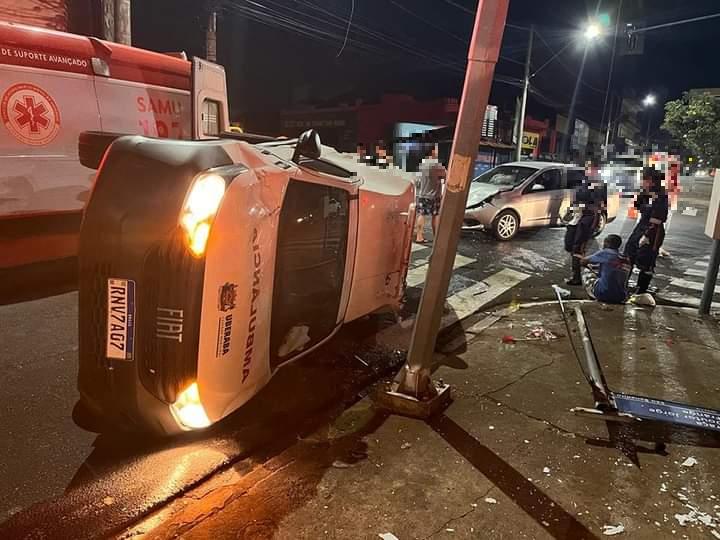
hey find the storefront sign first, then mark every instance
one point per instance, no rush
(530, 140)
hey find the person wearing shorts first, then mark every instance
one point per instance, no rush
(429, 194)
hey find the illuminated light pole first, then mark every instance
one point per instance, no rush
(590, 34)
(648, 102)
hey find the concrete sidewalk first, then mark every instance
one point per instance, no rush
(506, 460)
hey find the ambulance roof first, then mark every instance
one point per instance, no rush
(59, 51)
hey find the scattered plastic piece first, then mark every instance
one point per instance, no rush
(107, 501)
(715, 534)
(564, 293)
(490, 500)
(405, 445)
(388, 536)
(508, 339)
(689, 462)
(491, 427)
(540, 333)
(546, 470)
(612, 530)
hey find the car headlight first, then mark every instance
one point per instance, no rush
(201, 205)
(188, 410)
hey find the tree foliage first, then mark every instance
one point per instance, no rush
(694, 122)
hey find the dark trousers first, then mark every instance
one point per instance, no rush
(576, 239)
(645, 256)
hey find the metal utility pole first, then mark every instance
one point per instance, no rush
(610, 76)
(122, 22)
(413, 381)
(712, 229)
(526, 86)
(571, 113)
(107, 21)
(710, 279)
(211, 37)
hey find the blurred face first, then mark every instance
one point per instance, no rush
(434, 152)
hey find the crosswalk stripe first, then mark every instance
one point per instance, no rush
(695, 272)
(418, 247)
(468, 301)
(703, 264)
(692, 285)
(416, 275)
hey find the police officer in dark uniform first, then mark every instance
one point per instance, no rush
(587, 204)
(644, 244)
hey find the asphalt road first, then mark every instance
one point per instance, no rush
(63, 470)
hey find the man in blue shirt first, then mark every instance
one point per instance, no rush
(609, 285)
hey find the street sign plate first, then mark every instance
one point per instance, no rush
(668, 411)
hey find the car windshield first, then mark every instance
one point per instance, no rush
(505, 175)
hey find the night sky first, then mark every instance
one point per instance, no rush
(282, 52)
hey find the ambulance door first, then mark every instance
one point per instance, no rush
(209, 100)
(43, 111)
(317, 231)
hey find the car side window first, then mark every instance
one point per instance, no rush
(575, 178)
(550, 180)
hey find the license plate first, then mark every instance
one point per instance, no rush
(121, 319)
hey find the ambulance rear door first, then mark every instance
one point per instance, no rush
(209, 100)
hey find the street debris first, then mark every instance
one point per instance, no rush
(405, 445)
(689, 462)
(449, 530)
(540, 333)
(612, 530)
(546, 470)
(108, 501)
(388, 536)
(715, 534)
(339, 464)
(490, 500)
(564, 293)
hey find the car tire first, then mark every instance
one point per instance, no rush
(506, 225)
(602, 223)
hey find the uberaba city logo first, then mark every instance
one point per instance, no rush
(227, 296)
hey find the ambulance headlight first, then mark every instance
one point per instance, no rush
(201, 205)
(188, 410)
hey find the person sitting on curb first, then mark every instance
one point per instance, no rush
(609, 284)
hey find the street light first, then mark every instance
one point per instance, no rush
(592, 31)
(648, 102)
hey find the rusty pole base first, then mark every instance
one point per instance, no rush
(437, 399)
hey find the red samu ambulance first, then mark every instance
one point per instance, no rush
(55, 85)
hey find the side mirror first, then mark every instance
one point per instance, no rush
(308, 145)
(92, 146)
(537, 187)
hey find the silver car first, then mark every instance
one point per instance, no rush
(521, 195)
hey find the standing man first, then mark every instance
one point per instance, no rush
(430, 190)
(646, 239)
(587, 205)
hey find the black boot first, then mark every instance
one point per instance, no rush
(576, 279)
(643, 282)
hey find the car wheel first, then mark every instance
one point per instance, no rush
(506, 225)
(602, 222)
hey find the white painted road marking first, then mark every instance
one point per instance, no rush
(416, 275)
(418, 247)
(692, 285)
(695, 272)
(468, 301)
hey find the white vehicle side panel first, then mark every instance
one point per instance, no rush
(47, 177)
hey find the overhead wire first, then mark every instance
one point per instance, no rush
(347, 32)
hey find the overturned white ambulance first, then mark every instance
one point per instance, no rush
(205, 266)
